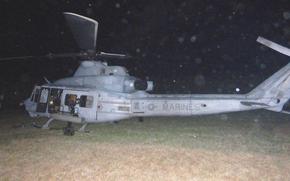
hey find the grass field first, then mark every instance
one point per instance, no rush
(237, 146)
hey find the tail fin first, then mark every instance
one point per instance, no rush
(275, 91)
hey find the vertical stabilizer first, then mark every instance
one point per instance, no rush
(276, 89)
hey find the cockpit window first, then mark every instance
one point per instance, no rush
(35, 95)
(43, 96)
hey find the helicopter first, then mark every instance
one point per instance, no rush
(99, 93)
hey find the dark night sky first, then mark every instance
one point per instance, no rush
(193, 46)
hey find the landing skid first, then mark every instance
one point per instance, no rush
(46, 125)
(83, 128)
(69, 130)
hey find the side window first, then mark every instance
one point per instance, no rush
(86, 101)
(70, 99)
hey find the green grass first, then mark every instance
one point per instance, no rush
(237, 146)
(269, 134)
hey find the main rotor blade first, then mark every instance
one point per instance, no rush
(83, 55)
(113, 55)
(17, 58)
(48, 56)
(65, 55)
(84, 30)
(88, 55)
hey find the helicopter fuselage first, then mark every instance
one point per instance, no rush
(87, 105)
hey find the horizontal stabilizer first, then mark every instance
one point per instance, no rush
(248, 103)
(274, 46)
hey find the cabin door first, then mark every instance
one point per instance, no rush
(43, 100)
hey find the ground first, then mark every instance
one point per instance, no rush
(237, 146)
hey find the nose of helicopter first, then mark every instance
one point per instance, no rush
(26, 103)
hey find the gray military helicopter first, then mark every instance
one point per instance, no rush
(101, 93)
